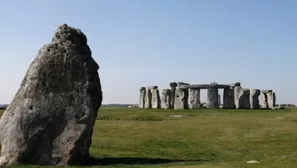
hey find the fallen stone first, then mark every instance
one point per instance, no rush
(252, 162)
(50, 119)
(177, 116)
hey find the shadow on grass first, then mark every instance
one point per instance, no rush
(132, 161)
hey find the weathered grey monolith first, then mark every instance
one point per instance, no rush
(194, 97)
(244, 99)
(228, 98)
(181, 97)
(166, 99)
(219, 100)
(265, 99)
(212, 97)
(254, 98)
(173, 86)
(156, 101)
(148, 97)
(271, 99)
(237, 90)
(50, 119)
(142, 97)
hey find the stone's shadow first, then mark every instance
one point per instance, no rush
(132, 161)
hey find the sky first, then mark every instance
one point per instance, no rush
(154, 42)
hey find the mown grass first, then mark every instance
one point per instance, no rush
(203, 138)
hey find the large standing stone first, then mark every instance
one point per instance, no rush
(181, 97)
(212, 97)
(271, 99)
(50, 119)
(173, 86)
(148, 98)
(265, 98)
(142, 98)
(254, 98)
(219, 100)
(194, 98)
(228, 98)
(166, 99)
(237, 90)
(244, 99)
(156, 101)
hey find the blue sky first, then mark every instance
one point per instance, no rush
(154, 42)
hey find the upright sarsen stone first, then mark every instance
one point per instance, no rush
(194, 99)
(237, 90)
(181, 97)
(271, 99)
(156, 101)
(212, 97)
(50, 119)
(166, 99)
(254, 98)
(142, 98)
(265, 98)
(173, 86)
(243, 99)
(228, 98)
(148, 98)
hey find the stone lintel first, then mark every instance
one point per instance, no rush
(266, 91)
(235, 84)
(182, 83)
(255, 90)
(165, 90)
(152, 87)
(173, 84)
(204, 86)
(245, 90)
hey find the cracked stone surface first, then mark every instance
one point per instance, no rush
(50, 119)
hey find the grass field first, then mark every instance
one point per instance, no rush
(203, 138)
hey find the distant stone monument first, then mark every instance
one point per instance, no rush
(185, 95)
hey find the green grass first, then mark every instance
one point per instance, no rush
(203, 138)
